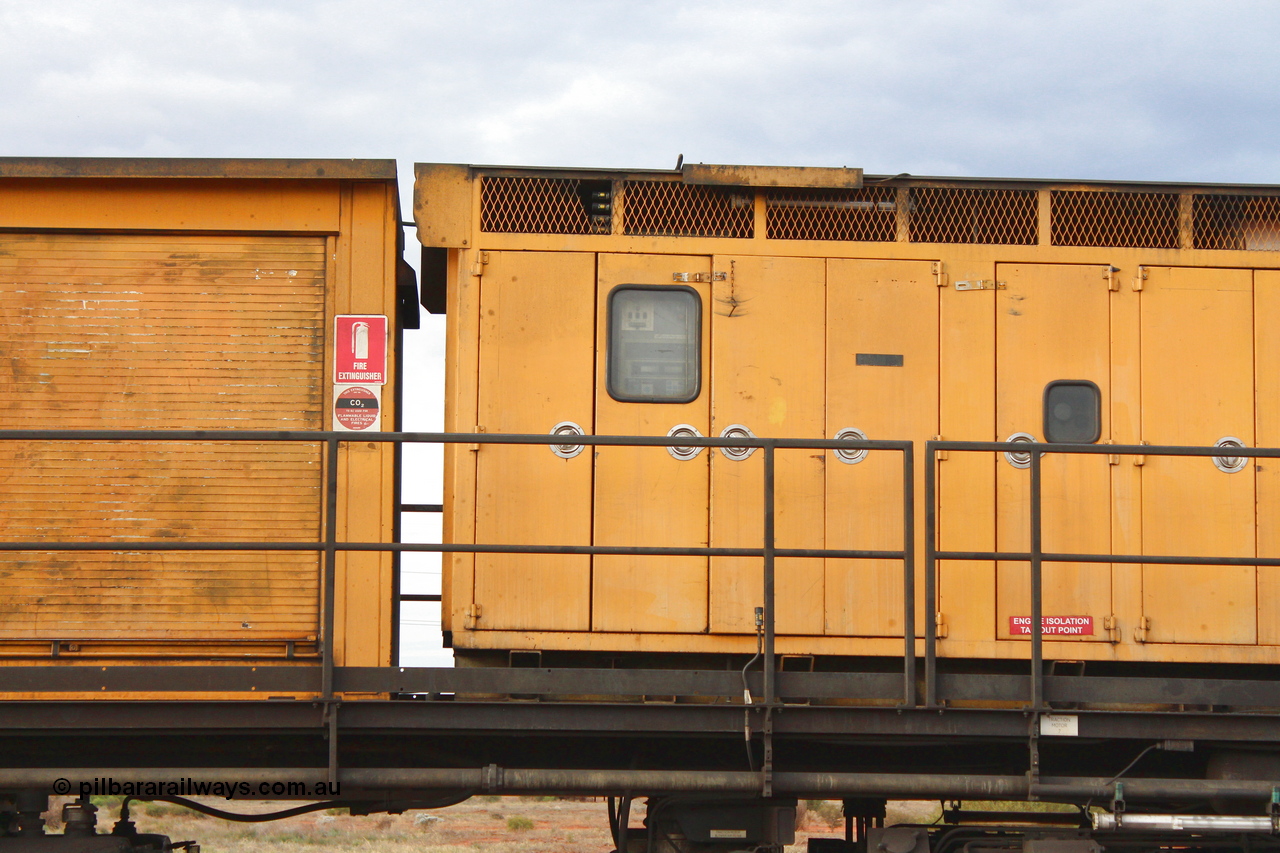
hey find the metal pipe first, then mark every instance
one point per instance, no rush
(1181, 822)
(1037, 589)
(507, 780)
(768, 554)
(909, 579)
(930, 576)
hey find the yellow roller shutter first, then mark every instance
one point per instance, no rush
(160, 332)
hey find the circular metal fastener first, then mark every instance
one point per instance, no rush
(1019, 459)
(851, 457)
(684, 431)
(737, 454)
(566, 451)
(1230, 464)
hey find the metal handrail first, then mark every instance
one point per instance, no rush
(1037, 556)
(768, 552)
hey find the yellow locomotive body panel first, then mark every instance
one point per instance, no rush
(907, 309)
(189, 295)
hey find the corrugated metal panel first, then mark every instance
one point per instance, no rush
(136, 332)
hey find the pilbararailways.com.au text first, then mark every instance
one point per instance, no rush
(106, 786)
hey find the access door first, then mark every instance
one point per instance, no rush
(651, 378)
(1053, 345)
(882, 383)
(537, 364)
(1197, 389)
(1266, 324)
(767, 330)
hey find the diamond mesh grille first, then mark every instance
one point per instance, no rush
(867, 214)
(1236, 222)
(670, 209)
(957, 215)
(1088, 218)
(529, 205)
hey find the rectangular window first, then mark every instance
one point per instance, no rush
(1072, 412)
(654, 344)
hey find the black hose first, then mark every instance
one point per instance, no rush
(239, 817)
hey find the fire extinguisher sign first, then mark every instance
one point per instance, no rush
(360, 349)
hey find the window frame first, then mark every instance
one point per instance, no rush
(1044, 409)
(696, 344)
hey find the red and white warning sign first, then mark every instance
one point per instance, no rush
(360, 349)
(357, 407)
(1053, 626)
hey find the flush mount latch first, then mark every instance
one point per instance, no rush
(981, 284)
(699, 276)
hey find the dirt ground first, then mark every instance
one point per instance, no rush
(490, 824)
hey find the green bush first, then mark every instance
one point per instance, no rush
(519, 824)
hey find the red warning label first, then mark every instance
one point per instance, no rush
(355, 408)
(360, 349)
(1076, 626)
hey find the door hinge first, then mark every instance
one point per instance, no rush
(940, 625)
(939, 277)
(1112, 458)
(475, 448)
(1109, 273)
(699, 276)
(473, 616)
(1112, 627)
(1139, 461)
(477, 268)
(1142, 630)
(1139, 278)
(941, 455)
(981, 284)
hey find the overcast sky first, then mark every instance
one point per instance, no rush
(1120, 89)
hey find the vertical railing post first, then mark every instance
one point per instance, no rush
(930, 576)
(328, 597)
(1037, 629)
(769, 598)
(329, 592)
(909, 576)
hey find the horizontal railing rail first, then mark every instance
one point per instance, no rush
(1036, 556)
(330, 547)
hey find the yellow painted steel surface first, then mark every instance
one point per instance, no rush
(138, 332)
(830, 308)
(149, 298)
(762, 308)
(887, 313)
(1036, 303)
(1197, 387)
(643, 495)
(542, 350)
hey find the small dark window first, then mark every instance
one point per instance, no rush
(654, 344)
(1072, 412)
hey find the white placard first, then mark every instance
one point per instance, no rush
(1060, 725)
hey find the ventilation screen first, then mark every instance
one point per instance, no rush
(1084, 218)
(525, 205)
(1072, 412)
(869, 214)
(957, 215)
(654, 343)
(1237, 222)
(670, 209)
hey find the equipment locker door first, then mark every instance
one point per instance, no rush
(1266, 300)
(645, 496)
(1197, 387)
(537, 362)
(767, 330)
(1053, 323)
(882, 379)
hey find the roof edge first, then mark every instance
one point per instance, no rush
(196, 167)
